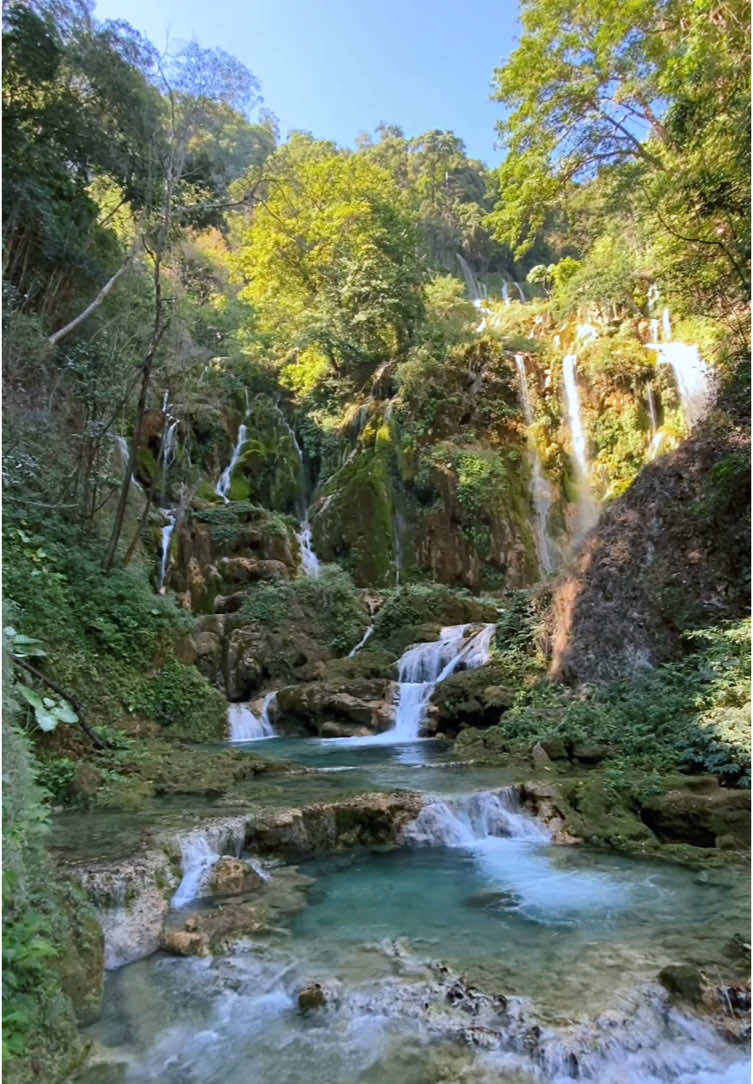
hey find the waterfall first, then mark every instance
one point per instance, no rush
(309, 560)
(269, 700)
(652, 407)
(541, 490)
(666, 326)
(166, 534)
(521, 291)
(244, 725)
(366, 636)
(654, 329)
(474, 293)
(587, 512)
(125, 454)
(424, 666)
(577, 432)
(693, 376)
(168, 452)
(201, 849)
(470, 818)
(223, 486)
(505, 292)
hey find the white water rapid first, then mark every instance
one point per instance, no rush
(541, 491)
(223, 486)
(366, 636)
(470, 818)
(244, 725)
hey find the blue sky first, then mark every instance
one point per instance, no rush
(334, 67)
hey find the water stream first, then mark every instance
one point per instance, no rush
(245, 725)
(587, 512)
(570, 939)
(226, 478)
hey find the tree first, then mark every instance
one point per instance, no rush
(328, 256)
(597, 87)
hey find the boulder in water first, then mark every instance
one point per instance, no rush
(312, 997)
(682, 981)
(232, 876)
(185, 943)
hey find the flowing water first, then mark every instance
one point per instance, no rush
(166, 536)
(364, 640)
(541, 490)
(587, 513)
(474, 294)
(422, 667)
(694, 378)
(244, 725)
(521, 291)
(226, 478)
(559, 949)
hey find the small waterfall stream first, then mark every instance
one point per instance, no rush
(521, 291)
(245, 725)
(474, 294)
(587, 513)
(541, 490)
(364, 639)
(226, 478)
(309, 559)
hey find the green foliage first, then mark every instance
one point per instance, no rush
(347, 281)
(109, 639)
(327, 608)
(691, 715)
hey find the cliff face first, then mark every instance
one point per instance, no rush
(670, 555)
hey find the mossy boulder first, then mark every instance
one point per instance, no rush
(470, 698)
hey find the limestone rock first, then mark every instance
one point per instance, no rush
(232, 876)
(185, 943)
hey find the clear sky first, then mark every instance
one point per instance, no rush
(337, 67)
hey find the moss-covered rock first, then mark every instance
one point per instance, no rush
(470, 698)
(415, 614)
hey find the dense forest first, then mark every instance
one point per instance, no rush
(275, 411)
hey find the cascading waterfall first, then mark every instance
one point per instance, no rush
(666, 325)
(474, 294)
(694, 378)
(245, 725)
(506, 292)
(226, 478)
(541, 490)
(587, 512)
(364, 639)
(521, 291)
(168, 453)
(424, 666)
(469, 818)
